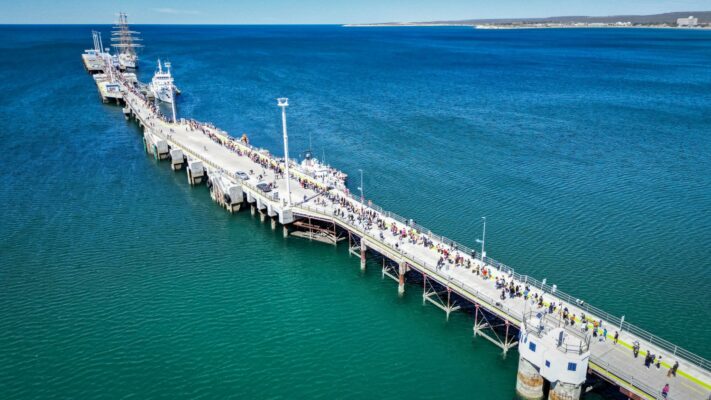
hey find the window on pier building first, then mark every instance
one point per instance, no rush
(572, 366)
(532, 347)
(548, 364)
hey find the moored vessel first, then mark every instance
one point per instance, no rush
(125, 43)
(162, 85)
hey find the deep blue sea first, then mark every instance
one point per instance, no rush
(588, 150)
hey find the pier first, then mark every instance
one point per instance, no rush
(565, 345)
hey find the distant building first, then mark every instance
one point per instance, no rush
(691, 21)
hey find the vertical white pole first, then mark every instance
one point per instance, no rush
(283, 103)
(108, 66)
(483, 240)
(362, 198)
(172, 100)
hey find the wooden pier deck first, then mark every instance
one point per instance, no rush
(613, 362)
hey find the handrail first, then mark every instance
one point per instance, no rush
(592, 311)
(618, 373)
(548, 322)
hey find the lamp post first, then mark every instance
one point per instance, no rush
(172, 102)
(483, 240)
(172, 91)
(362, 198)
(283, 102)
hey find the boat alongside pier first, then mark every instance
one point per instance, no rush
(561, 339)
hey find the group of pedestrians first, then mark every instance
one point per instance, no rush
(369, 219)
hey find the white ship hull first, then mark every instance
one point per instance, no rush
(162, 94)
(162, 84)
(127, 61)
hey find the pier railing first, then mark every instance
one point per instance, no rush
(453, 282)
(541, 323)
(612, 371)
(591, 311)
(606, 368)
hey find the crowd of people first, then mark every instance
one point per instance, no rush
(242, 149)
(356, 213)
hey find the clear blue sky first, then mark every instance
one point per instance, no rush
(319, 12)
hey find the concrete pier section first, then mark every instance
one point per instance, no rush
(452, 276)
(529, 382)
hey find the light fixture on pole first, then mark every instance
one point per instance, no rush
(362, 198)
(483, 240)
(172, 91)
(283, 102)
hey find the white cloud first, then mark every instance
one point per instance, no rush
(167, 10)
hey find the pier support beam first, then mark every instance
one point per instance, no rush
(436, 294)
(285, 232)
(253, 209)
(273, 223)
(362, 254)
(353, 245)
(564, 391)
(195, 171)
(176, 159)
(401, 279)
(490, 328)
(424, 289)
(261, 216)
(286, 216)
(236, 198)
(529, 382)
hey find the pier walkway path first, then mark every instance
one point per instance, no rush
(461, 270)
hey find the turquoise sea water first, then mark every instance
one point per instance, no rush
(587, 150)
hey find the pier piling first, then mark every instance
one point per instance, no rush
(363, 248)
(402, 268)
(529, 382)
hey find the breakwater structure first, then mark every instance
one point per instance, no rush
(565, 345)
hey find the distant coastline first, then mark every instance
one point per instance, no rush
(676, 20)
(526, 26)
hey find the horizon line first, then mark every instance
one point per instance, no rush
(437, 21)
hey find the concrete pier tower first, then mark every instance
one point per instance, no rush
(552, 351)
(529, 382)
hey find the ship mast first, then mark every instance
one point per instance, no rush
(124, 39)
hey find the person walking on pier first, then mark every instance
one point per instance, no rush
(617, 337)
(672, 370)
(665, 391)
(649, 359)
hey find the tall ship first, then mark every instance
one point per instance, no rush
(125, 41)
